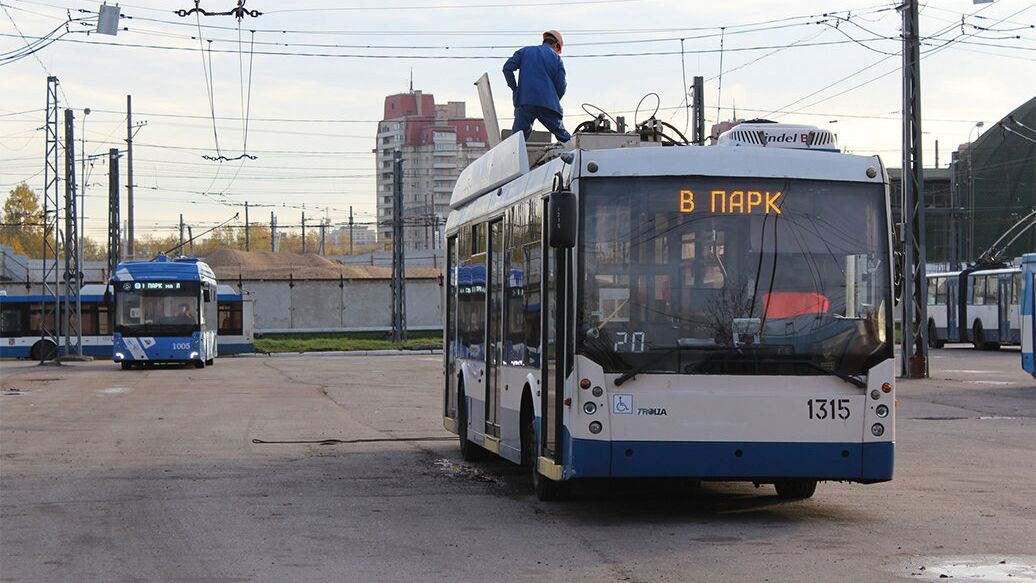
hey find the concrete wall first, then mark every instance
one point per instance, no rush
(354, 305)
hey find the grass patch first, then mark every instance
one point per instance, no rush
(345, 341)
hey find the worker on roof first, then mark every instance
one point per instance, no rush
(538, 91)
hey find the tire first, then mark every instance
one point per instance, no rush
(210, 361)
(469, 450)
(199, 364)
(978, 338)
(43, 350)
(933, 338)
(795, 488)
(546, 490)
(126, 365)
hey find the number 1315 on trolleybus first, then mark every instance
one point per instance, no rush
(714, 313)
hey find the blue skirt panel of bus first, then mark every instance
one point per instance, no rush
(159, 348)
(831, 461)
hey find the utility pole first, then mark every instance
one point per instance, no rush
(129, 177)
(698, 133)
(50, 310)
(914, 300)
(303, 232)
(114, 240)
(248, 230)
(190, 238)
(350, 230)
(323, 227)
(73, 270)
(180, 248)
(398, 256)
(273, 232)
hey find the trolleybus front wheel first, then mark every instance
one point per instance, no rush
(126, 365)
(199, 364)
(795, 488)
(546, 489)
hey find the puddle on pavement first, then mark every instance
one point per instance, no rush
(458, 470)
(112, 391)
(987, 569)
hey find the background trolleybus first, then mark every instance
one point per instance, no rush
(1028, 306)
(20, 318)
(978, 305)
(720, 312)
(165, 311)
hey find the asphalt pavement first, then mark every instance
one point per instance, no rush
(153, 475)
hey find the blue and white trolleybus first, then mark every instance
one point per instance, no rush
(715, 313)
(165, 311)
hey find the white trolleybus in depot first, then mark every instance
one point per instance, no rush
(1028, 307)
(165, 312)
(714, 313)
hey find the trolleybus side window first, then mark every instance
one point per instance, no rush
(12, 317)
(230, 318)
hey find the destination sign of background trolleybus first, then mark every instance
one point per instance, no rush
(720, 312)
(165, 311)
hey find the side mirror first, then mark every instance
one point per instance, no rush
(561, 210)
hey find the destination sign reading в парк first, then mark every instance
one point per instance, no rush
(736, 202)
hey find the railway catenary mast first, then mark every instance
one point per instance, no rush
(632, 310)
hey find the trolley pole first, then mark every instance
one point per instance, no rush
(915, 316)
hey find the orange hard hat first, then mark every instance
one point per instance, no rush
(556, 36)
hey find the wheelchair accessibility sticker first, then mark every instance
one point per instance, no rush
(622, 404)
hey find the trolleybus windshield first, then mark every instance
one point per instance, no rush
(157, 308)
(734, 276)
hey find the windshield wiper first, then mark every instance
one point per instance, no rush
(852, 380)
(647, 365)
(644, 367)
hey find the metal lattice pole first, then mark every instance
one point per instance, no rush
(915, 316)
(50, 308)
(73, 271)
(398, 256)
(114, 236)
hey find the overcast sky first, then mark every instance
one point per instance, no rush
(321, 69)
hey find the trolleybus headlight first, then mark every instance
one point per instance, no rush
(597, 391)
(882, 411)
(877, 430)
(584, 384)
(119, 356)
(194, 355)
(595, 427)
(886, 387)
(589, 408)
(875, 394)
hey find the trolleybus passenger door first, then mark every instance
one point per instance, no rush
(554, 342)
(494, 326)
(450, 330)
(952, 296)
(1004, 307)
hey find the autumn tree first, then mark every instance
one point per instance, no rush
(22, 222)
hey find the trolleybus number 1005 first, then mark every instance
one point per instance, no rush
(828, 408)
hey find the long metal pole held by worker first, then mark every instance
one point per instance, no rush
(913, 301)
